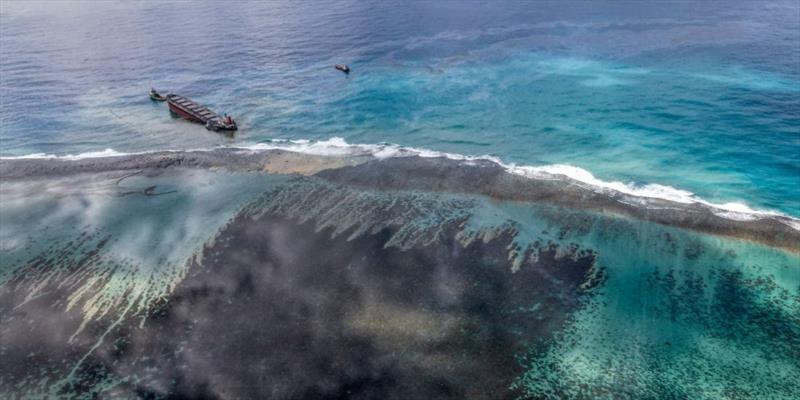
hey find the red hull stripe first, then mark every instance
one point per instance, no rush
(182, 113)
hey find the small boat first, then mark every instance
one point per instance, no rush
(189, 110)
(155, 96)
(342, 67)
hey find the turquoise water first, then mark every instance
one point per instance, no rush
(699, 97)
(148, 279)
(674, 314)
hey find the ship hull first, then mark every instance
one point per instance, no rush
(195, 112)
(183, 114)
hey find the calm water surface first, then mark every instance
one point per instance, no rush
(699, 97)
(139, 279)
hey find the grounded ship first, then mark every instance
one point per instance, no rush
(195, 112)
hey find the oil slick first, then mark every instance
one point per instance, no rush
(369, 277)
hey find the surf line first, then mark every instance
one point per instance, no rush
(337, 146)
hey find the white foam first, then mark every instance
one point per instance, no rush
(337, 146)
(732, 210)
(80, 156)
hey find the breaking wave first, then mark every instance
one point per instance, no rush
(338, 147)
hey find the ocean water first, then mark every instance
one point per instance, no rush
(513, 200)
(699, 97)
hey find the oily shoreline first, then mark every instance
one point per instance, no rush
(438, 174)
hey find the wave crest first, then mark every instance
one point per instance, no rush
(339, 147)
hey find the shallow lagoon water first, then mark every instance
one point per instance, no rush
(370, 270)
(345, 284)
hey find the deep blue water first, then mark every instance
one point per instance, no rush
(176, 279)
(701, 97)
